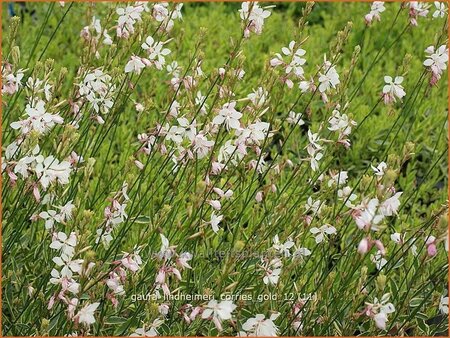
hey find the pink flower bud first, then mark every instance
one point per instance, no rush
(12, 176)
(139, 164)
(195, 312)
(36, 193)
(289, 83)
(161, 276)
(165, 288)
(51, 302)
(215, 204)
(432, 250)
(99, 119)
(177, 273)
(380, 247)
(368, 19)
(259, 196)
(308, 220)
(363, 246)
(275, 62)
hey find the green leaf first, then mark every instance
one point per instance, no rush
(415, 302)
(142, 219)
(116, 320)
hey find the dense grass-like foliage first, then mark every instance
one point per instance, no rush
(273, 181)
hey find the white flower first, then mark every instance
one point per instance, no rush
(314, 206)
(417, 9)
(390, 206)
(294, 66)
(295, 118)
(345, 194)
(104, 235)
(175, 134)
(98, 90)
(156, 52)
(183, 260)
(229, 150)
(379, 260)
(173, 69)
(338, 179)
(258, 97)
(393, 89)
(304, 86)
(329, 78)
(66, 211)
(176, 13)
(215, 220)
(254, 133)
(189, 128)
(380, 169)
(114, 283)
(12, 150)
(366, 215)
(127, 18)
(397, 238)
(23, 165)
(443, 305)
(215, 204)
(436, 61)
(255, 16)
(272, 271)
(38, 119)
(148, 332)
(86, 314)
(342, 124)
(11, 82)
(376, 9)
(160, 11)
(49, 170)
(379, 311)
(67, 284)
(261, 327)
(315, 157)
(319, 233)
(132, 261)
(166, 251)
(135, 65)
(228, 115)
(69, 265)
(301, 253)
(50, 217)
(107, 38)
(283, 248)
(201, 145)
(218, 311)
(314, 140)
(64, 243)
(440, 11)
(200, 100)
(174, 109)
(400, 239)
